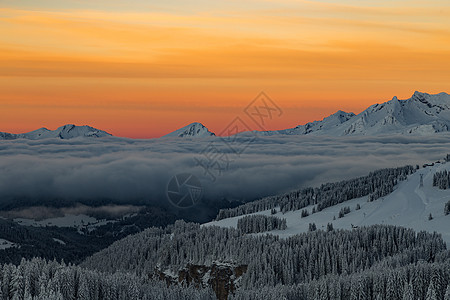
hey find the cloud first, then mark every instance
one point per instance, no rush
(136, 172)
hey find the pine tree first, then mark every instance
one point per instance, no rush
(432, 293)
(447, 293)
(408, 292)
(391, 289)
(330, 227)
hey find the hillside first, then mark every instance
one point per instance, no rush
(409, 205)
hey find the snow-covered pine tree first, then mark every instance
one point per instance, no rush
(447, 292)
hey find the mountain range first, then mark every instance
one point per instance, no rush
(64, 132)
(421, 114)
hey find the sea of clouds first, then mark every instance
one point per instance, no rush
(129, 171)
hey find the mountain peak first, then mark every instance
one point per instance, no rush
(422, 114)
(67, 131)
(195, 129)
(342, 115)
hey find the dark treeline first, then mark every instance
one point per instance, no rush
(442, 180)
(260, 223)
(39, 241)
(345, 210)
(375, 185)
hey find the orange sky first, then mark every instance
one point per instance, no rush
(144, 70)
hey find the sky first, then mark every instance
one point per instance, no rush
(142, 69)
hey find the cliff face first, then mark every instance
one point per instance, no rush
(222, 278)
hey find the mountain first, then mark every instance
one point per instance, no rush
(192, 130)
(421, 114)
(330, 123)
(64, 132)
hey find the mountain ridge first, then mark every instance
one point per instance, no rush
(67, 131)
(421, 114)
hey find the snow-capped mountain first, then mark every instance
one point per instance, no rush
(421, 114)
(64, 132)
(329, 123)
(192, 130)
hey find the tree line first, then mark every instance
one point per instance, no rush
(375, 185)
(260, 223)
(442, 180)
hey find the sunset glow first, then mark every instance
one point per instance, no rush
(145, 69)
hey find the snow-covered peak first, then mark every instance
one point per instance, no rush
(192, 130)
(441, 99)
(340, 116)
(64, 132)
(71, 131)
(421, 114)
(329, 123)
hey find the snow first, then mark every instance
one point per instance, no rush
(196, 129)
(422, 114)
(329, 123)
(66, 221)
(64, 132)
(75, 221)
(5, 244)
(59, 241)
(408, 206)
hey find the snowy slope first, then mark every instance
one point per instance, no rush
(421, 114)
(80, 222)
(408, 206)
(64, 132)
(5, 244)
(328, 124)
(192, 130)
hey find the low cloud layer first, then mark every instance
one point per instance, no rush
(137, 171)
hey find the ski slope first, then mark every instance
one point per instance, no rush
(408, 206)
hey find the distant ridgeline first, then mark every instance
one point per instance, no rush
(375, 185)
